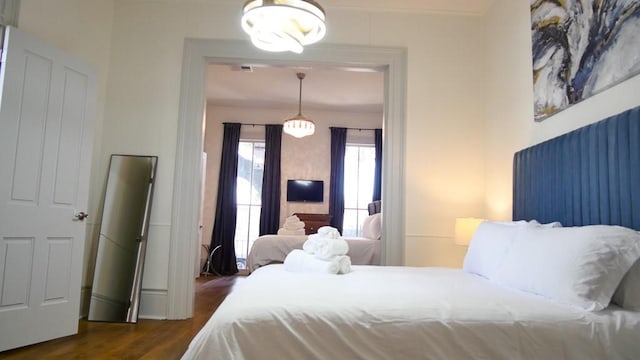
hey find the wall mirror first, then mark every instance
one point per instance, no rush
(115, 294)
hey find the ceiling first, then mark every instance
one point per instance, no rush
(352, 90)
(468, 7)
(332, 89)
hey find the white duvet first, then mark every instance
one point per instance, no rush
(404, 313)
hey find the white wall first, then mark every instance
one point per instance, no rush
(83, 29)
(307, 158)
(509, 101)
(444, 148)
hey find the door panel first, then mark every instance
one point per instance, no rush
(47, 106)
(58, 269)
(73, 107)
(16, 272)
(31, 121)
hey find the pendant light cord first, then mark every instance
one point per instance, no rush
(300, 76)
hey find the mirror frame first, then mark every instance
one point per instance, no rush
(136, 283)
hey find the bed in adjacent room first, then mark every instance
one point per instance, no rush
(270, 249)
(364, 250)
(525, 291)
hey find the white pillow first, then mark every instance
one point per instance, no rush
(489, 245)
(581, 266)
(627, 294)
(372, 227)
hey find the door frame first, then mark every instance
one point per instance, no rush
(198, 53)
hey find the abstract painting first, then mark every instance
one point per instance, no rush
(581, 47)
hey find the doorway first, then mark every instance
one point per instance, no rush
(255, 95)
(198, 54)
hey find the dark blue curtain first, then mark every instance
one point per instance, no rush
(377, 177)
(224, 226)
(336, 187)
(270, 213)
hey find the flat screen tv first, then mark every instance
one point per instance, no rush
(305, 190)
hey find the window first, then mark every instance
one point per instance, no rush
(248, 197)
(359, 170)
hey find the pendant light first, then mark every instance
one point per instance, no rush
(299, 126)
(283, 25)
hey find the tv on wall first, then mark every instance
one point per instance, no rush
(305, 190)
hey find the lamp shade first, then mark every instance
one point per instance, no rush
(299, 126)
(283, 25)
(465, 227)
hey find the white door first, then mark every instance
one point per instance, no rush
(47, 105)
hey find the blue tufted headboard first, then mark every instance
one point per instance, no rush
(588, 176)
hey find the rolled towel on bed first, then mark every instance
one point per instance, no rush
(329, 232)
(344, 263)
(313, 243)
(299, 261)
(292, 219)
(330, 248)
(293, 225)
(291, 232)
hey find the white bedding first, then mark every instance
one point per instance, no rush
(404, 313)
(268, 249)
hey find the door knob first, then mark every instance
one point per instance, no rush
(81, 215)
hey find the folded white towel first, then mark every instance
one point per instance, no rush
(299, 261)
(313, 243)
(293, 225)
(329, 232)
(329, 248)
(282, 231)
(292, 219)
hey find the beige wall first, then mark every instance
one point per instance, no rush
(509, 99)
(307, 158)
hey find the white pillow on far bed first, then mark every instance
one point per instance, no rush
(372, 227)
(627, 294)
(581, 266)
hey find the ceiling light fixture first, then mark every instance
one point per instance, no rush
(299, 126)
(283, 25)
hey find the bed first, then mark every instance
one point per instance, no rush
(269, 249)
(501, 305)
(410, 313)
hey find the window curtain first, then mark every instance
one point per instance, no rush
(377, 177)
(224, 226)
(270, 213)
(336, 187)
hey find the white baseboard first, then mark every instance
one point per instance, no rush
(153, 304)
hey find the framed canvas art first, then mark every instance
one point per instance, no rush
(580, 48)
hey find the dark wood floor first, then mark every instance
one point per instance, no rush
(148, 339)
